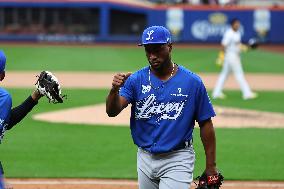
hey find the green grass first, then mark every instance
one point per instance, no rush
(127, 59)
(39, 149)
(54, 150)
(61, 150)
(266, 101)
(247, 154)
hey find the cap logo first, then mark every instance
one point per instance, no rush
(149, 33)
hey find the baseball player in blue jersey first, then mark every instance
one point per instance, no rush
(9, 116)
(166, 101)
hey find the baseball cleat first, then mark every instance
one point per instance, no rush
(220, 96)
(252, 96)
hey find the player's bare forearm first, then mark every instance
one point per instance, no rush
(207, 135)
(114, 102)
(113, 105)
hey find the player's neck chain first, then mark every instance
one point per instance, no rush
(156, 88)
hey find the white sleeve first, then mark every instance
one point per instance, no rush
(226, 39)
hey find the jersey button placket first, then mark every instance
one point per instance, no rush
(162, 95)
(157, 123)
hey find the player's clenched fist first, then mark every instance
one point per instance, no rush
(114, 102)
(119, 79)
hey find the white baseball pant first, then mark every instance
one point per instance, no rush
(165, 171)
(232, 63)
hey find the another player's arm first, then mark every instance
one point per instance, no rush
(18, 113)
(114, 102)
(36, 95)
(221, 54)
(207, 135)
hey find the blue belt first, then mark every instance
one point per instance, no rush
(181, 146)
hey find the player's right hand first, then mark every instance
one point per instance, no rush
(118, 80)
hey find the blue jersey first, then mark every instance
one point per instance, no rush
(163, 113)
(5, 110)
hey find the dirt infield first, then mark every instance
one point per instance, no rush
(118, 184)
(273, 48)
(102, 80)
(226, 117)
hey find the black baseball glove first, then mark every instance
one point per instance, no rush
(209, 181)
(253, 43)
(48, 85)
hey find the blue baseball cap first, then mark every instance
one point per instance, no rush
(2, 61)
(155, 35)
